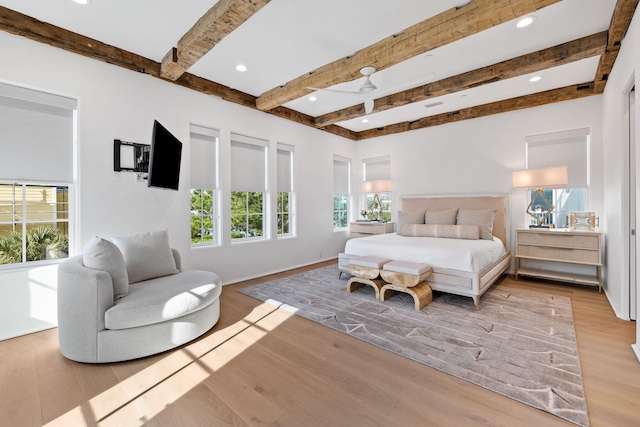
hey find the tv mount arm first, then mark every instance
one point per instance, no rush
(131, 157)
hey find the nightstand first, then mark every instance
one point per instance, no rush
(364, 229)
(560, 246)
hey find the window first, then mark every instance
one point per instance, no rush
(248, 183)
(341, 192)
(376, 172)
(36, 174)
(566, 148)
(204, 186)
(34, 223)
(284, 214)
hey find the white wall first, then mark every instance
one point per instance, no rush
(114, 103)
(478, 156)
(623, 76)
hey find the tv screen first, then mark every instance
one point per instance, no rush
(164, 161)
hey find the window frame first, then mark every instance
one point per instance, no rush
(25, 222)
(247, 214)
(338, 191)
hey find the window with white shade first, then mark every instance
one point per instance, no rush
(248, 186)
(205, 213)
(341, 192)
(37, 132)
(376, 177)
(565, 148)
(285, 194)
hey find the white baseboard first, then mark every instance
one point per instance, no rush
(14, 333)
(636, 350)
(267, 273)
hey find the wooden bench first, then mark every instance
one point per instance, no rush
(407, 277)
(366, 271)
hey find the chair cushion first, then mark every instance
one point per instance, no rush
(413, 268)
(164, 298)
(147, 255)
(369, 261)
(101, 254)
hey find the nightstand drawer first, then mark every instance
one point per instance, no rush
(367, 228)
(560, 254)
(562, 240)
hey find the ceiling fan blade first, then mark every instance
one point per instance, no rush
(368, 106)
(334, 90)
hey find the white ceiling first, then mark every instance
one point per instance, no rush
(288, 38)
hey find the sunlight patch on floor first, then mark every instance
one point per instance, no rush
(147, 393)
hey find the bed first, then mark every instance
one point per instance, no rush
(461, 267)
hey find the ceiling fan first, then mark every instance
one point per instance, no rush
(366, 88)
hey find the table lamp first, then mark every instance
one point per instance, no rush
(540, 179)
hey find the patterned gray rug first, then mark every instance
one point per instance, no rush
(519, 344)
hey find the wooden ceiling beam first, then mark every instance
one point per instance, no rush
(437, 31)
(528, 101)
(565, 53)
(22, 25)
(219, 21)
(620, 21)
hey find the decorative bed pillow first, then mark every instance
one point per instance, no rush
(414, 217)
(448, 231)
(101, 254)
(147, 255)
(441, 217)
(480, 217)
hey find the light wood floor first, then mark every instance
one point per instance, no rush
(261, 366)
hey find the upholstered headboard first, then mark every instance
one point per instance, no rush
(440, 202)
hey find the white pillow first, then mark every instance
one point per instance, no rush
(416, 217)
(147, 255)
(441, 217)
(480, 217)
(101, 254)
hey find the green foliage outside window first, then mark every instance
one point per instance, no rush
(247, 214)
(202, 216)
(384, 208)
(34, 223)
(43, 242)
(283, 213)
(340, 213)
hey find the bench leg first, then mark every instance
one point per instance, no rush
(421, 293)
(358, 282)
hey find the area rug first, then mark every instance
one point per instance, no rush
(519, 344)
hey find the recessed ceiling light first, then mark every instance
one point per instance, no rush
(242, 68)
(526, 21)
(535, 79)
(313, 98)
(82, 1)
(365, 120)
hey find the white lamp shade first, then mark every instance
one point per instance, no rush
(541, 178)
(379, 186)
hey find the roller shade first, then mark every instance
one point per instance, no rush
(341, 166)
(248, 163)
(285, 168)
(376, 168)
(567, 148)
(36, 135)
(204, 157)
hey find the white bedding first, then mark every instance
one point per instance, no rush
(455, 254)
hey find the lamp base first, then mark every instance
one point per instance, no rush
(539, 226)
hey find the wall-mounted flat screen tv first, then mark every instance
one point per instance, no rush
(164, 161)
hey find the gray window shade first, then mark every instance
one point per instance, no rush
(341, 175)
(204, 157)
(376, 168)
(285, 168)
(248, 163)
(567, 148)
(36, 135)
